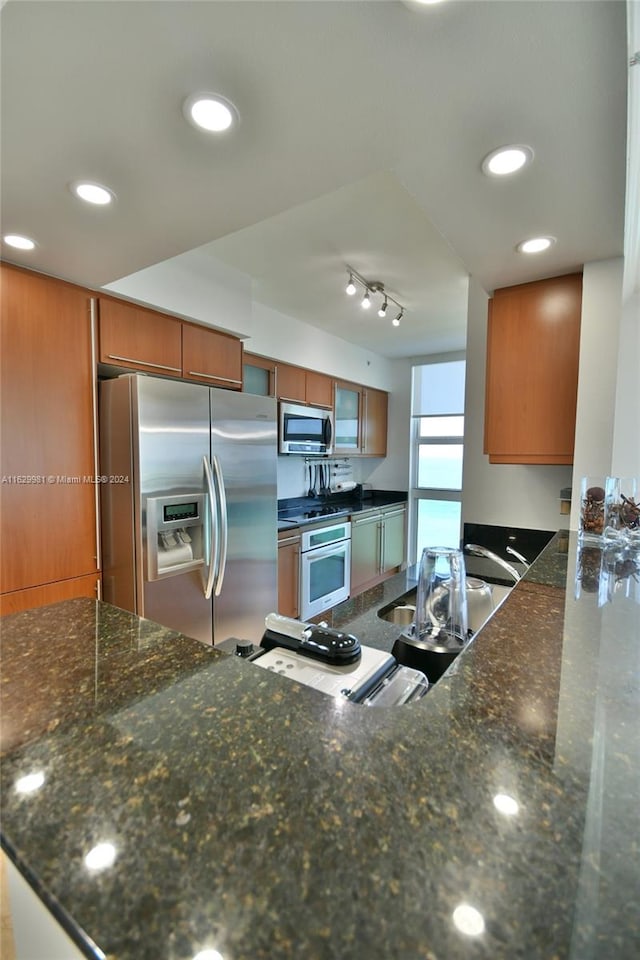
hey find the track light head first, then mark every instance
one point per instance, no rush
(366, 300)
(383, 308)
(351, 287)
(396, 320)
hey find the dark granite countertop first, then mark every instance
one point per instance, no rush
(337, 505)
(259, 818)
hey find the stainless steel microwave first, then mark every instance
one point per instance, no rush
(305, 430)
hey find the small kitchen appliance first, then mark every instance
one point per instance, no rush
(305, 430)
(335, 663)
(440, 628)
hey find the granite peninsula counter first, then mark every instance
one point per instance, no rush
(259, 818)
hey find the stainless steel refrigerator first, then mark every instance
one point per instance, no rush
(189, 505)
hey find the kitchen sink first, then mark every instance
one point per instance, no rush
(402, 610)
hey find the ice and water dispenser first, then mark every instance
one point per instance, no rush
(176, 538)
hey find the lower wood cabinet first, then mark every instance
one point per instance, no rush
(50, 593)
(378, 540)
(289, 573)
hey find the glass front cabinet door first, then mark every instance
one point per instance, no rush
(348, 402)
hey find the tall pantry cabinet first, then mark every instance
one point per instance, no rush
(48, 517)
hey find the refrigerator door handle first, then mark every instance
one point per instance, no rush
(208, 584)
(224, 526)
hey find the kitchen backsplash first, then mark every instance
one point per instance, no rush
(293, 473)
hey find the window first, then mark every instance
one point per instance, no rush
(437, 423)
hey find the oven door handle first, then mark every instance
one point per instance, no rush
(326, 550)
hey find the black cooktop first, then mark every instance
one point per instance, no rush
(315, 512)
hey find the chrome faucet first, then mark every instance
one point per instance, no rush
(489, 555)
(518, 556)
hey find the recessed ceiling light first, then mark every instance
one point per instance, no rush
(535, 244)
(18, 241)
(92, 192)
(506, 160)
(211, 112)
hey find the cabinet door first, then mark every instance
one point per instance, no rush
(289, 575)
(258, 375)
(319, 389)
(49, 593)
(48, 497)
(365, 550)
(374, 422)
(211, 357)
(532, 371)
(291, 383)
(393, 539)
(347, 418)
(140, 339)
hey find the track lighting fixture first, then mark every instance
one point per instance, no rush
(373, 288)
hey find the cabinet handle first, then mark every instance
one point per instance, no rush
(291, 399)
(381, 546)
(143, 363)
(93, 321)
(211, 376)
(394, 513)
(322, 406)
(287, 541)
(375, 518)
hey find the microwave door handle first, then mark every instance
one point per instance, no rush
(327, 431)
(213, 538)
(223, 526)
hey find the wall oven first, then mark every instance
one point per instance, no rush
(325, 568)
(307, 430)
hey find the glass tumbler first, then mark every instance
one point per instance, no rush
(441, 602)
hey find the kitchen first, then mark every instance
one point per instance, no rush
(500, 494)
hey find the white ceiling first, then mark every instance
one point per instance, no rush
(363, 126)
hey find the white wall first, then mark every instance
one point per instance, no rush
(626, 434)
(598, 370)
(517, 495)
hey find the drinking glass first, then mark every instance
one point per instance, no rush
(441, 602)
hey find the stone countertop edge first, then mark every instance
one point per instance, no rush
(259, 818)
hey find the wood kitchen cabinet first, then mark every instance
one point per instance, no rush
(139, 339)
(360, 420)
(303, 386)
(211, 357)
(258, 375)
(533, 348)
(378, 545)
(48, 496)
(374, 422)
(289, 573)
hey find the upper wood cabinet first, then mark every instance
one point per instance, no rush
(139, 339)
(258, 375)
(211, 356)
(303, 386)
(533, 349)
(374, 422)
(48, 494)
(360, 420)
(289, 572)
